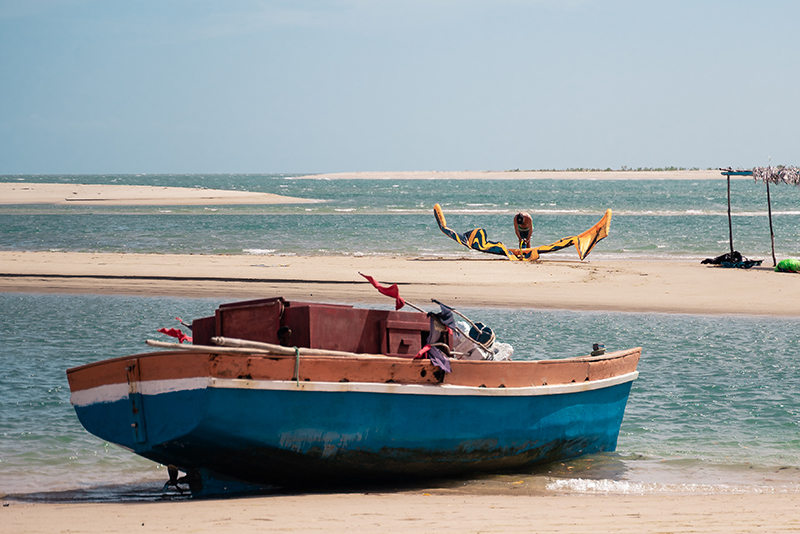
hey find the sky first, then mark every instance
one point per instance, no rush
(304, 86)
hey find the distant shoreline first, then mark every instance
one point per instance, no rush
(22, 192)
(524, 175)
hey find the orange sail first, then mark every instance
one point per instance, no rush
(476, 239)
(584, 242)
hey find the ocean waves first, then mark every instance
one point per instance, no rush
(668, 220)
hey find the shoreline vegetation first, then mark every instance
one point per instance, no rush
(624, 168)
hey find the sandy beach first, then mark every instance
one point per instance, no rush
(420, 511)
(131, 195)
(469, 281)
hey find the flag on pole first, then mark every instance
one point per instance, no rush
(175, 332)
(391, 291)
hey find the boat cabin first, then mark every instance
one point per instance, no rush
(317, 326)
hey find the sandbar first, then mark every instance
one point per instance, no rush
(618, 286)
(132, 195)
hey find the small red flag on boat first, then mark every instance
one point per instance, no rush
(175, 332)
(391, 291)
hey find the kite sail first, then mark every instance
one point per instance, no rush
(476, 239)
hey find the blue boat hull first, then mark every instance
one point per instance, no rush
(282, 433)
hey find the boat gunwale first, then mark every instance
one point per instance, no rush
(603, 357)
(105, 381)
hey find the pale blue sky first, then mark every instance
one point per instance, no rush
(173, 86)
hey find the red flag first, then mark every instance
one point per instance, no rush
(391, 291)
(174, 332)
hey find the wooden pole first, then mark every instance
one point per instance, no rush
(730, 224)
(286, 351)
(240, 346)
(771, 232)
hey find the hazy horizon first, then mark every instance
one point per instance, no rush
(193, 86)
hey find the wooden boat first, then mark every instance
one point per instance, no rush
(236, 419)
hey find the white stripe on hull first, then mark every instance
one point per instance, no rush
(115, 392)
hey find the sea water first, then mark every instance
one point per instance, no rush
(652, 219)
(716, 407)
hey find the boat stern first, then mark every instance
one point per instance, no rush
(139, 402)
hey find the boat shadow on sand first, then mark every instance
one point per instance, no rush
(601, 466)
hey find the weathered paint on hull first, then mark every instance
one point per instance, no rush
(283, 433)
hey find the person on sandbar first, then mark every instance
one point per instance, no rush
(523, 226)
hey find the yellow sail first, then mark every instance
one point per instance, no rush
(584, 242)
(476, 239)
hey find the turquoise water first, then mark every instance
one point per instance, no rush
(667, 219)
(716, 407)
